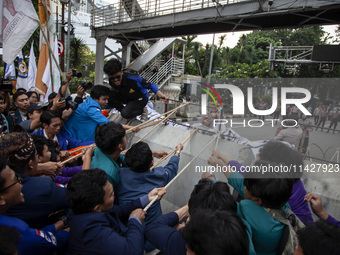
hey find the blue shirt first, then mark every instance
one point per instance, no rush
(65, 141)
(105, 232)
(33, 241)
(133, 185)
(42, 197)
(83, 122)
(162, 234)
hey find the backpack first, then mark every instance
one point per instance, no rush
(292, 224)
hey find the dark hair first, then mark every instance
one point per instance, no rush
(271, 187)
(112, 66)
(2, 98)
(85, 190)
(282, 154)
(30, 93)
(54, 148)
(39, 142)
(109, 136)
(213, 196)
(48, 115)
(9, 240)
(319, 238)
(3, 164)
(21, 90)
(216, 232)
(139, 157)
(17, 94)
(98, 91)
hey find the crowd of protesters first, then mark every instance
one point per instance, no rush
(94, 204)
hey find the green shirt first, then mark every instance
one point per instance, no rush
(106, 163)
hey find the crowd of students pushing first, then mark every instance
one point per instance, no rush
(101, 209)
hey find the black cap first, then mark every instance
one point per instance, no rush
(34, 107)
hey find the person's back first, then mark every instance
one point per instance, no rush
(291, 135)
(138, 179)
(82, 123)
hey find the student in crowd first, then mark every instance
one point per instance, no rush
(264, 207)
(138, 179)
(97, 226)
(42, 195)
(110, 140)
(129, 89)
(44, 149)
(4, 127)
(83, 122)
(15, 234)
(20, 100)
(318, 238)
(33, 124)
(9, 240)
(33, 97)
(316, 205)
(215, 232)
(205, 195)
(281, 154)
(51, 122)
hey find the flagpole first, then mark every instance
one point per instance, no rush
(48, 42)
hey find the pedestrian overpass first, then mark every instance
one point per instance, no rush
(130, 21)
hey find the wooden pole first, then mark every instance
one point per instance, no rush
(157, 117)
(161, 122)
(166, 186)
(172, 151)
(48, 41)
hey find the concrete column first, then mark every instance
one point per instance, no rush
(100, 50)
(124, 53)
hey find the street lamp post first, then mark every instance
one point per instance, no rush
(62, 58)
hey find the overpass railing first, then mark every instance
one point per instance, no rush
(127, 10)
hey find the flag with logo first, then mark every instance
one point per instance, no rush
(18, 21)
(46, 21)
(22, 79)
(55, 73)
(32, 70)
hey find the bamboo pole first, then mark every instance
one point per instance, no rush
(48, 40)
(49, 48)
(172, 151)
(78, 155)
(161, 122)
(166, 186)
(157, 117)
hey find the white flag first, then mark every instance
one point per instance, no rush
(18, 21)
(22, 80)
(10, 71)
(55, 73)
(32, 70)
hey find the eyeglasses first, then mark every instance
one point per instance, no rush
(117, 77)
(18, 180)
